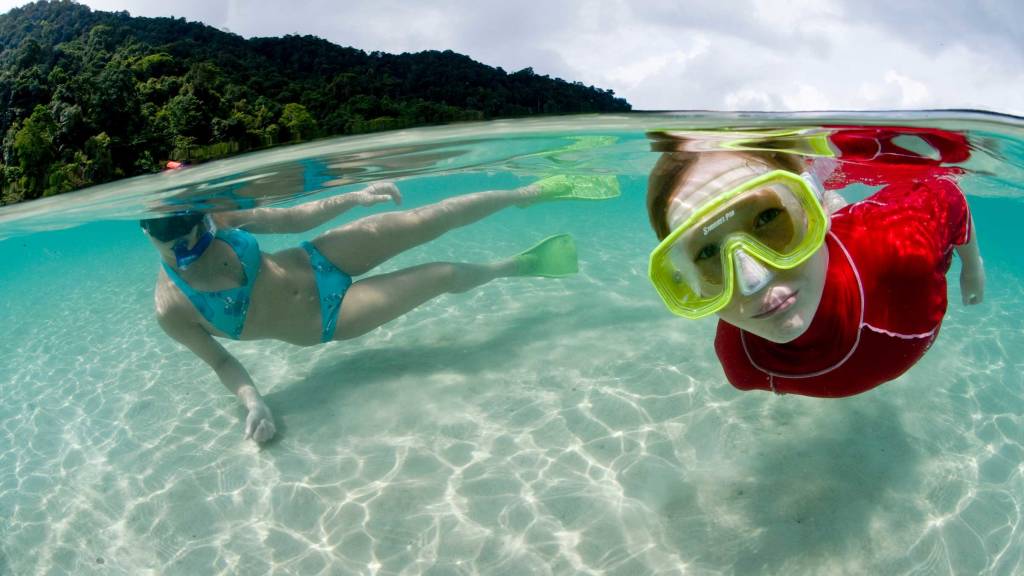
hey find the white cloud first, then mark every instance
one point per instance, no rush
(912, 92)
(666, 54)
(806, 97)
(749, 99)
(631, 74)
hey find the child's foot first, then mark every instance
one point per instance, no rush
(553, 257)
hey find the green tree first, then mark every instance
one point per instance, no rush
(183, 146)
(120, 95)
(185, 116)
(298, 121)
(155, 66)
(33, 142)
(99, 163)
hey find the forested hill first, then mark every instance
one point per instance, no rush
(87, 96)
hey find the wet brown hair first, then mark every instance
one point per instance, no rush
(677, 157)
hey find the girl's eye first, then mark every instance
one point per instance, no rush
(709, 251)
(766, 217)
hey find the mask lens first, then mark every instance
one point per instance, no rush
(770, 216)
(773, 221)
(170, 227)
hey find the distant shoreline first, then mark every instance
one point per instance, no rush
(95, 96)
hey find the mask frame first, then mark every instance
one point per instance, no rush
(679, 295)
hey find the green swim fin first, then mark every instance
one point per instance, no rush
(571, 187)
(553, 257)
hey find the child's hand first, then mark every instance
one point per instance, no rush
(972, 283)
(259, 425)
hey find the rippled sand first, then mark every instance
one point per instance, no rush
(529, 427)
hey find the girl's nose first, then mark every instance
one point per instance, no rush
(751, 276)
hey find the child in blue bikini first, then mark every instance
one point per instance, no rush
(215, 281)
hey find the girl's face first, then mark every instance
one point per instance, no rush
(167, 248)
(781, 310)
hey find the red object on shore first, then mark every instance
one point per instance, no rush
(174, 165)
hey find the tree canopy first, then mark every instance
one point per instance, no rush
(89, 96)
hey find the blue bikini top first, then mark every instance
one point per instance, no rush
(226, 309)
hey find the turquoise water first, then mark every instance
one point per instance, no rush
(530, 426)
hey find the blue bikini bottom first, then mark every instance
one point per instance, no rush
(332, 284)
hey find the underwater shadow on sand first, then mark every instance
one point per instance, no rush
(331, 383)
(816, 492)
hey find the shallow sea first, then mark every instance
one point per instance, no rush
(530, 426)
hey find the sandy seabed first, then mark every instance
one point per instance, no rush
(532, 426)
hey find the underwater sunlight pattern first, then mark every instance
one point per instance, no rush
(527, 426)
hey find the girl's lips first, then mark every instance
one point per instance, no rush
(777, 305)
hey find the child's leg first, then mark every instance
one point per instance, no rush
(375, 301)
(360, 246)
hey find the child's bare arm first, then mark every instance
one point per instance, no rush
(972, 274)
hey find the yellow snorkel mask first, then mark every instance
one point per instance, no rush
(775, 219)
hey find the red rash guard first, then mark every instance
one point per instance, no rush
(883, 302)
(872, 155)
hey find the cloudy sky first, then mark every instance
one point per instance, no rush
(683, 54)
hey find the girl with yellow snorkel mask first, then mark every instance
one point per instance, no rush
(820, 301)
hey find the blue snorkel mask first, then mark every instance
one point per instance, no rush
(184, 256)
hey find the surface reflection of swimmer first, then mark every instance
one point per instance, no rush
(215, 281)
(812, 302)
